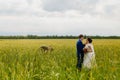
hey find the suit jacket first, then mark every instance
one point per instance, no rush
(79, 47)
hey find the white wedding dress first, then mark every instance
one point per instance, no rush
(89, 57)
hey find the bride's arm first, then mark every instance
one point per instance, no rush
(89, 49)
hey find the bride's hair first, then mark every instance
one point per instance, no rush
(90, 40)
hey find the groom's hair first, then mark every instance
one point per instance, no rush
(90, 40)
(80, 36)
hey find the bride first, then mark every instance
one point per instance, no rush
(89, 55)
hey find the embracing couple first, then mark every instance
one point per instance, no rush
(85, 53)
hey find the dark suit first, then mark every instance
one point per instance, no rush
(80, 53)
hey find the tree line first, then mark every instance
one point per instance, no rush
(57, 37)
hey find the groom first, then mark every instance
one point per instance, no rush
(80, 53)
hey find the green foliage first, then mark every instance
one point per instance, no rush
(57, 37)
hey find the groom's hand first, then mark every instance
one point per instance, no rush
(85, 50)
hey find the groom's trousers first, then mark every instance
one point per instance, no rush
(80, 60)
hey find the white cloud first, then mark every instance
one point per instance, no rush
(62, 17)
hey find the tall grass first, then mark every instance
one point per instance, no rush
(22, 60)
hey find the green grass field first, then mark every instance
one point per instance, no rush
(21, 60)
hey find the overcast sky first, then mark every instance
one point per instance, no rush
(60, 17)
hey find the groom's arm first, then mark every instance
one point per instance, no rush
(80, 47)
(83, 45)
